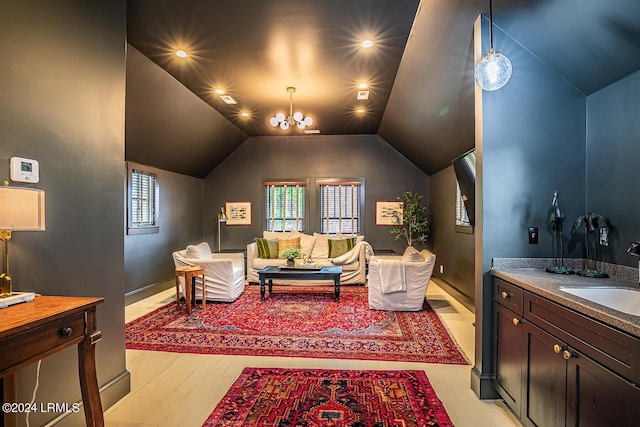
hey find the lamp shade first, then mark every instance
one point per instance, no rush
(21, 209)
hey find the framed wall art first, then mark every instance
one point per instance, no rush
(238, 213)
(387, 210)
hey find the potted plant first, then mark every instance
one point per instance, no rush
(291, 254)
(412, 222)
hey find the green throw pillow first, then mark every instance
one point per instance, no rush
(339, 247)
(267, 248)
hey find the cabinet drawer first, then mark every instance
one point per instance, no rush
(612, 348)
(42, 340)
(508, 295)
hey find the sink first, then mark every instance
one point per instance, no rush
(624, 300)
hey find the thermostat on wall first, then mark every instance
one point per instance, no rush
(24, 170)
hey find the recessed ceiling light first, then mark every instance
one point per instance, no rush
(360, 111)
(311, 131)
(228, 99)
(244, 114)
(219, 91)
(367, 44)
(363, 94)
(363, 86)
(181, 54)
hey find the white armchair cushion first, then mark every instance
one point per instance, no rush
(417, 276)
(411, 254)
(199, 251)
(224, 274)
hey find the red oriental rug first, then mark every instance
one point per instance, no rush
(321, 397)
(297, 322)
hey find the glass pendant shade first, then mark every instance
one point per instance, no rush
(493, 71)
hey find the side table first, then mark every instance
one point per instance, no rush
(190, 272)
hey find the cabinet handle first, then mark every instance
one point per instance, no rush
(568, 355)
(505, 295)
(65, 332)
(516, 321)
(557, 348)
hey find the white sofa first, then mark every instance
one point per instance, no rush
(354, 262)
(224, 273)
(400, 283)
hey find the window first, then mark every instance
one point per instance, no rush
(341, 207)
(143, 202)
(462, 219)
(285, 205)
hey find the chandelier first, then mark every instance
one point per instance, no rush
(292, 119)
(494, 69)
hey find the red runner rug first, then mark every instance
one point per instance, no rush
(297, 322)
(321, 397)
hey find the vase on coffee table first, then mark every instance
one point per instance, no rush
(291, 262)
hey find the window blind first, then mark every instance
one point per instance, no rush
(285, 206)
(461, 212)
(143, 198)
(340, 210)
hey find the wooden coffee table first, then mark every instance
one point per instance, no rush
(330, 272)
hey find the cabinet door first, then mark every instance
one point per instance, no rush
(508, 356)
(544, 399)
(597, 397)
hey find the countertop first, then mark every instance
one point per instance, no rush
(547, 285)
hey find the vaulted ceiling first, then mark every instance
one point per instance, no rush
(419, 71)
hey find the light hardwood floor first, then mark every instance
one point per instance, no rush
(169, 389)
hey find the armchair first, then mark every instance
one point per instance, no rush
(224, 273)
(400, 283)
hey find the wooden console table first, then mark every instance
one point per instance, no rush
(34, 330)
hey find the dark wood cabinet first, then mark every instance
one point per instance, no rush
(597, 397)
(545, 371)
(556, 367)
(508, 357)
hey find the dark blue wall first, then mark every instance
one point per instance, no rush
(147, 257)
(454, 251)
(387, 175)
(613, 155)
(62, 103)
(532, 143)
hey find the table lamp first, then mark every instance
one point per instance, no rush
(222, 218)
(21, 209)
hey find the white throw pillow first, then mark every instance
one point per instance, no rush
(411, 254)
(307, 242)
(321, 248)
(199, 251)
(282, 235)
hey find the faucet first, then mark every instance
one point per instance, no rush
(634, 249)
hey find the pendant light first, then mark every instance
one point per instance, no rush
(293, 119)
(494, 69)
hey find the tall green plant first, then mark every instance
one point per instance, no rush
(412, 222)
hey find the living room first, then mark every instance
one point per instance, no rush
(64, 104)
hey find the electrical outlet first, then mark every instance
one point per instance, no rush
(533, 235)
(441, 269)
